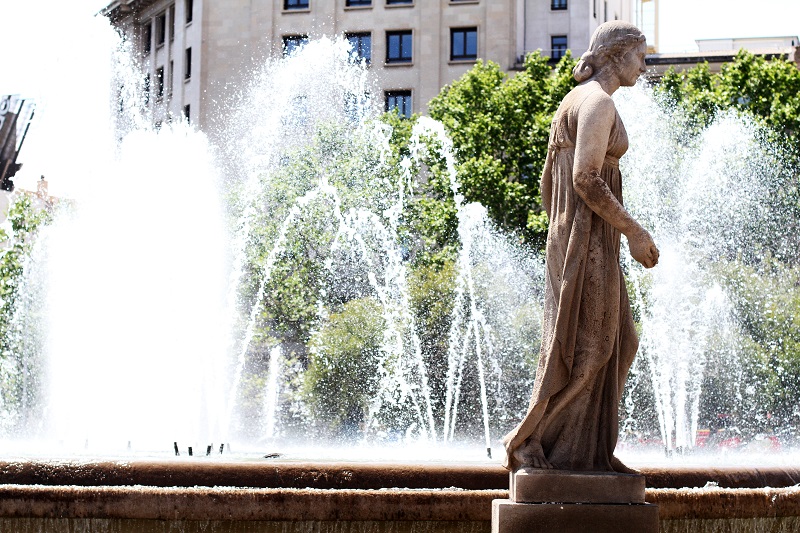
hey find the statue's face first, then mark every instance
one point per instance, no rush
(632, 65)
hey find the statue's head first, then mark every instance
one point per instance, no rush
(610, 43)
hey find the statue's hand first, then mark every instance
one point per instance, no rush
(643, 249)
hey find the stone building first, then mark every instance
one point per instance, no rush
(197, 53)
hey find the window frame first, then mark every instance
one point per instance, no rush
(296, 5)
(187, 64)
(465, 33)
(400, 93)
(171, 11)
(161, 29)
(360, 35)
(299, 40)
(400, 59)
(189, 15)
(170, 77)
(147, 38)
(553, 49)
(146, 89)
(160, 83)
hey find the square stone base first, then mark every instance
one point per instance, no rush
(511, 517)
(534, 485)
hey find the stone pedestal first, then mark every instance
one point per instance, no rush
(574, 502)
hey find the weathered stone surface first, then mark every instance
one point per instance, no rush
(532, 485)
(721, 503)
(231, 503)
(208, 472)
(589, 336)
(511, 517)
(280, 505)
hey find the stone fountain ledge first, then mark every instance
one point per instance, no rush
(351, 505)
(432, 497)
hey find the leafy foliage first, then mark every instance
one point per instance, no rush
(500, 127)
(762, 282)
(343, 366)
(767, 305)
(17, 237)
(768, 90)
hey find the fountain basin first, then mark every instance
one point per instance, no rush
(206, 495)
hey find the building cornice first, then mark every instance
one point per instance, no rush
(120, 9)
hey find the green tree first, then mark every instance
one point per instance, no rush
(767, 90)
(343, 366)
(761, 278)
(500, 126)
(767, 306)
(17, 238)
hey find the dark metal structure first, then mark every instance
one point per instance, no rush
(16, 114)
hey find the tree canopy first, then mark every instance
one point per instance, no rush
(500, 126)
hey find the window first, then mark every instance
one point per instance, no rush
(161, 29)
(293, 43)
(558, 46)
(172, 23)
(397, 2)
(160, 82)
(146, 89)
(398, 46)
(558, 4)
(147, 38)
(189, 11)
(353, 3)
(400, 101)
(187, 112)
(170, 76)
(295, 4)
(187, 70)
(361, 45)
(463, 43)
(356, 104)
(296, 116)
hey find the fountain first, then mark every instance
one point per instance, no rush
(166, 329)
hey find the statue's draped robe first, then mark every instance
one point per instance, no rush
(588, 340)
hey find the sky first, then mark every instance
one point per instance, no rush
(683, 21)
(54, 51)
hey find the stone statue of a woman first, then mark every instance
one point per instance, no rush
(589, 340)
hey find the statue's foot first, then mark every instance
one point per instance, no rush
(531, 456)
(620, 467)
(541, 462)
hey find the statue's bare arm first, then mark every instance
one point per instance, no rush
(595, 120)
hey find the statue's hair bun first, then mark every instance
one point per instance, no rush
(609, 43)
(584, 69)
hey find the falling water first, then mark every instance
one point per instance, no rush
(158, 323)
(709, 203)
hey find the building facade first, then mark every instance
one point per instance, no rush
(196, 54)
(555, 26)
